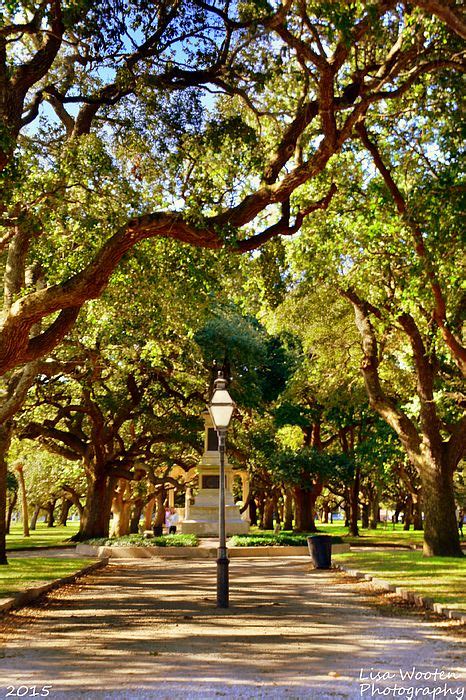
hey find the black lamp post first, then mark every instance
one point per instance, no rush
(221, 409)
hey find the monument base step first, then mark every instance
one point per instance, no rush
(208, 528)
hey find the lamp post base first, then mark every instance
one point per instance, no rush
(222, 578)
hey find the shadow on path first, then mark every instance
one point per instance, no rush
(150, 629)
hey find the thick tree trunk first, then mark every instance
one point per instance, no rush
(374, 509)
(50, 508)
(408, 516)
(365, 516)
(24, 502)
(159, 518)
(304, 510)
(441, 537)
(267, 514)
(288, 511)
(5, 439)
(148, 512)
(280, 506)
(417, 513)
(64, 511)
(125, 518)
(121, 511)
(73, 497)
(95, 521)
(260, 500)
(136, 512)
(35, 515)
(253, 511)
(11, 506)
(120, 521)
(433, 457)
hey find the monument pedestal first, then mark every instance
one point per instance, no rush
(203, 514)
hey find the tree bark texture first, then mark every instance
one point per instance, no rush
(267, 515)
(148, 513)
(136, 512)
(408, 514)
(374, 509)
(441, 536)
(305, 500)
(35, 515)
(417, 514)
(95, 521)
(120, 510)
(11, 506)
(5, 440)
(253, 511)
(64, 511)
(50, 508)
(24, 501)
(159, 518)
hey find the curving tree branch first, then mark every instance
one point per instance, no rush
(455, 346)
(451, 13)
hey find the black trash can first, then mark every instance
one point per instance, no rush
(320, 549)
(158, 530)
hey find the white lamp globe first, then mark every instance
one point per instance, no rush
(221, 406)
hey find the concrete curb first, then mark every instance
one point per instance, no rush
(406, 594)
(28, 595)
(197, 552)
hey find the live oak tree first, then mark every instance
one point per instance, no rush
(325, 368)
(153, 325)
(50, 481)
(101, 117)
(435, 440)
(401, 277)
(112, 420)
(257, 365)
(110, 66)
(94, 58)
(429, 312)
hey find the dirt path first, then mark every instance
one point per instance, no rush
(150, 629)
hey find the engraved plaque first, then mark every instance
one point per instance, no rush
(211, 481)
(212, 441)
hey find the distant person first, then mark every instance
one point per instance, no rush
(461, 521)
(173, 520)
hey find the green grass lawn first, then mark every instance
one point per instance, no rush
(441, 578)
(19, 573)
(382, 535)
(43, 536)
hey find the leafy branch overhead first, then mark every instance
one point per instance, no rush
(102, 106)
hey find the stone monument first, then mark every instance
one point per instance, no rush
(203, 513)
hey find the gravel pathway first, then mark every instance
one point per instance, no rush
(150, 629)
